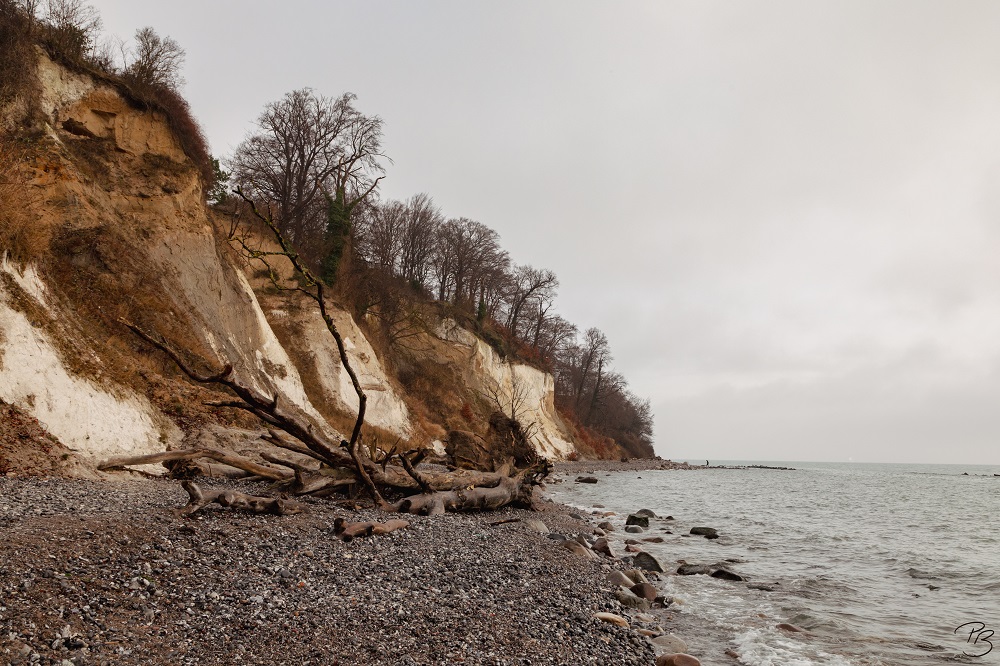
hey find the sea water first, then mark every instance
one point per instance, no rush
(880, 564)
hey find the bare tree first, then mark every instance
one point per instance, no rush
(529, 285)
(71, 26)
(310, 153)
(155, 61)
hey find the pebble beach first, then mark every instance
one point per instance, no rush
(107, 573)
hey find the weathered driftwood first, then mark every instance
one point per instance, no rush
(349, 531)
(225, 457)
(516, 489)
(199, 499)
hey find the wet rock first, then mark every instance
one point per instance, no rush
(763, 587)
(618, 579)
(632, 542)
(678, 659)
(726, 574)
(693, 569)
(606, 526)
(707, 532)
(636, 519)
(599, 532)
(629, 600)
(654, 539)
(577, 549)
(646, 591)
(632, 548)
(647, 562)
(604, 547)
(586, 479)
(636, 576)
(791, 628)
(611, 618)
(645, 512)
(670, 643)
(634, 529)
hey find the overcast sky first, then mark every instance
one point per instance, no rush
(784, 215)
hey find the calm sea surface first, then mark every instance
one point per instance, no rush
(880, 563)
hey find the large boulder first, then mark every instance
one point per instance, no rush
(636, 519)
(648, 562)
(707, 532)
(693, 569)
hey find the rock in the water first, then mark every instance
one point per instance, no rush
(707, 532)
(634, 529)
(599, 532)
(586, 479)
(669, 643)
(629, 600)
(763, 587)
(647, 562)
(726, 574)
(612, 618)
(693, 569)
(784, 626)
(603, 546)
(647, 591)
(678, 659)
(645, 512)
(636, 576)
(636, 519)
(577, 549)
(606, 526)
(632, 542)
(653, 539)
(632, 548)
(537, 526)
(618, 579)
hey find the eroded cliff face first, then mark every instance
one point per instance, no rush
(131, 239)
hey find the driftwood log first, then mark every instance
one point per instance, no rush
(199, 499)
(349, 531)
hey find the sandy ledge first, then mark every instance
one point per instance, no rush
(104, 573)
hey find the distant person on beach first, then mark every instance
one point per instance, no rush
(706, 464)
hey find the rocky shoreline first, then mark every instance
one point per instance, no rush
(106, 573)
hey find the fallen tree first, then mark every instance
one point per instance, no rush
(342, 463)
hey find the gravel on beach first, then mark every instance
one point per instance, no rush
(106, 573)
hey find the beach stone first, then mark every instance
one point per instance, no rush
(645, 512)
(635, 519)
(632, 548)
(577, 549)
(784, 626)
(586, 479)
(603, 546)
(629, 600)
(646, 591)
(634, 529)
(606, 526)
(654, 539)
(647, 562)
(693, 569)
(631, 542)
(577, 516)
(648, 633)
(678, 659)
(537, 526)
(612, 619)
(726, 574)
(618, 579)
(670, 643)
(636, 576)
(707, 532)
(598, 532)
(763, 587)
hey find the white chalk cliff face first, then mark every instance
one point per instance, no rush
(530, 391)
(88, 418)
(153, 203)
